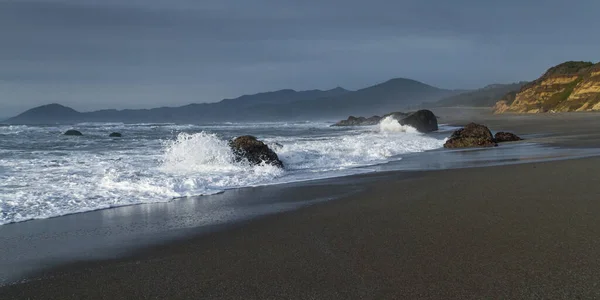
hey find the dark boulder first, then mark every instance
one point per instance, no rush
(472, 135)
(115, 134)
(359, 121)
(249, 148)
(423, 120)
(506, 137)
(73, 132)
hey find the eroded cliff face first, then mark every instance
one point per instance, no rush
(571, 86)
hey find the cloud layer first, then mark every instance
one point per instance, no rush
(127, 53)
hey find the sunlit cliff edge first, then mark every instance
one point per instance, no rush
(570, 86)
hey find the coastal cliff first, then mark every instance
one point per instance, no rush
(570, 86)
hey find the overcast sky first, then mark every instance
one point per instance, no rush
(91, 54)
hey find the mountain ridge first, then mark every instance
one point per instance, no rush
(285, 104)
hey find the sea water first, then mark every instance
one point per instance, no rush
(46, 174)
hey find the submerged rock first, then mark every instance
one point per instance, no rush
(249, 148)
(423, 120)
(506, 137)
(115, 134)
(472, 135)
(73, 132)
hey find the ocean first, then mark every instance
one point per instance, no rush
(45, 174)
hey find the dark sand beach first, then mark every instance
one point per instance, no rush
(521, 231)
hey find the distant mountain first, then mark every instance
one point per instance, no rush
(48, 114)
(392, 95)
(484, 97)
(282, 97)
(204, 112)
(570, 86)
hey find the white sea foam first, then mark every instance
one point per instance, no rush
(362, 148)
(389, 124)
(192, 153)
(62, 175)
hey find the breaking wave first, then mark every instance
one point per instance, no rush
(46, 176)
(389, 124)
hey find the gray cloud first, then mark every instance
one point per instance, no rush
(127, 53)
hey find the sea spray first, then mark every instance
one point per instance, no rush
(389, 124)
(193, 153)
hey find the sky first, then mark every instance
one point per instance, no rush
(94, 54)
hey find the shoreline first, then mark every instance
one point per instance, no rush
(459, 245)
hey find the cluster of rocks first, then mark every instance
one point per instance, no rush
(73, 132)
(477, 135)
(359, 121)
(472, 135)
(423, 120)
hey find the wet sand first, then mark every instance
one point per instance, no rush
(526, 231)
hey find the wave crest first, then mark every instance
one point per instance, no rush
(389, 124)
(192, 153)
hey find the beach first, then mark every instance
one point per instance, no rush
(517, 231)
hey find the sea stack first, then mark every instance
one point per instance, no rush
(256, 152)
(423, 120)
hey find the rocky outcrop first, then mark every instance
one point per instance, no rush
(423, 120)
(73, 132)
(115, 134)
(501, 137)
(374, 120)
(570, 86)
(254, 151)
(472, 135)
(359, 121)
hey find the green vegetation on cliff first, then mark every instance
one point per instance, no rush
(569, 68)
(560, 98)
